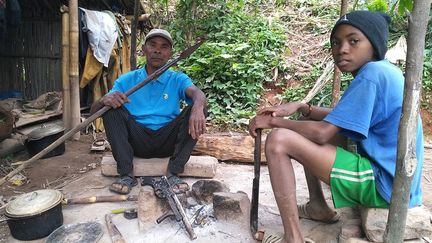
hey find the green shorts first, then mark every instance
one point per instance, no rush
(352, 182)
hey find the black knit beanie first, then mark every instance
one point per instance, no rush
(374, 25)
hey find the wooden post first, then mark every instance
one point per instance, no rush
(406, 160)
(74, 66)
(65, 68)
(134, 35)
(336, 71)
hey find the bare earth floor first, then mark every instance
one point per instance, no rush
(74, 172)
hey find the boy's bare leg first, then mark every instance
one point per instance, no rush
(317, 206)
(281, 146)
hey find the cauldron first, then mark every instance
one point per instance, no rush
(35, 214)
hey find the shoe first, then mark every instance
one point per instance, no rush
(123, 185)
(99, 145)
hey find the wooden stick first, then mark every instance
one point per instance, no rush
(74, 67)
(113, 231)
(65, 69)
(95, 199)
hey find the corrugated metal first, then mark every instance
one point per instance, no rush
(30, 58)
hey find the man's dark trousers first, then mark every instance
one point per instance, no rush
(128, 138)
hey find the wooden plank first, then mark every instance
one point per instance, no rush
(197, 166)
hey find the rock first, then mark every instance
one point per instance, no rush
(149, 208)
(350, 229)
(191, 202)
(230, 206)
(203, 190)
(374, 221)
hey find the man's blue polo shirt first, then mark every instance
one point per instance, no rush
(158, 102)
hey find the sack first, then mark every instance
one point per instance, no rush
(6, 123)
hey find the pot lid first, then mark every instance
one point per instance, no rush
(89, 232)
(45, 130)
(33, 203)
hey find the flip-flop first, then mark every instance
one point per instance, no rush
(304, 213)
(99, 145)
(277, 237)
(179, 186)
(123, 185)
(272, 237)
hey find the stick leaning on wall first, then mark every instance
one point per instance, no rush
(186, 53)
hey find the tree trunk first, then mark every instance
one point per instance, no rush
(406, 160)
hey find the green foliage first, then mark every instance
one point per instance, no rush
(405, 5)
(230, 67)
(378, 5)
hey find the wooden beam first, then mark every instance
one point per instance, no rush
(66, 91)
(134, 35)
(74, 65)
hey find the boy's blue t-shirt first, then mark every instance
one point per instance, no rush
(369, 113)
(156, 104)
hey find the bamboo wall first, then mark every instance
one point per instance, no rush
(30, 58)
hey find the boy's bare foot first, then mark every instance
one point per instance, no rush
(318, 213)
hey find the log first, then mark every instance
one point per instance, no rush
(197, 166)
(236, 147)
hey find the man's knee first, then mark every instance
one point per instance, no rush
(278, 141)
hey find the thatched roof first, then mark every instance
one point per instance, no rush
(40, 8)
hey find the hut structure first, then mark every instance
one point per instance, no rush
(31, 46)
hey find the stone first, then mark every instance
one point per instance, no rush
(149, 208)
(203, 190)
(374, 221)
(228, 206)
(350, 229)
(197, 166)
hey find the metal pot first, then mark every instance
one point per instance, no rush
(35, 215)
(42, 137)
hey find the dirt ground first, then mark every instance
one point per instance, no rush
(77, 173)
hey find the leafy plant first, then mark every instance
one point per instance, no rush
(240, 51)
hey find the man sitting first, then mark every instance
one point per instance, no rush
(149, 123)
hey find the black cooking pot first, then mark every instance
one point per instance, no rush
(35, 215)
(42, 137)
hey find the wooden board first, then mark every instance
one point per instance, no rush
(197, 166)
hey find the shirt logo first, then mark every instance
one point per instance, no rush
(165, 96)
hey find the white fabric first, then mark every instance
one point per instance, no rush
(102, 34)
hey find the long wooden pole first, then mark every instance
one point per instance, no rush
(336, 71)
(74, 66)
(406, 154)
(65, 68)
(134, 35)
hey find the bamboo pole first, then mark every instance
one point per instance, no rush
(65, 68)
(73, 66)
(406, 154)
(336, 72)
(134, 35)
